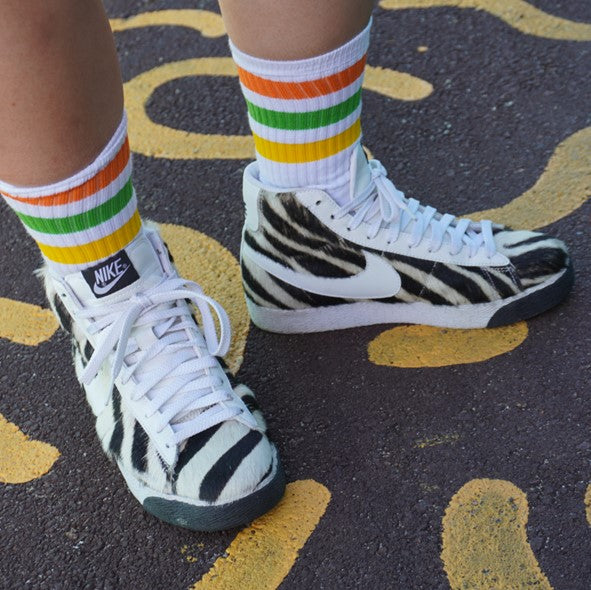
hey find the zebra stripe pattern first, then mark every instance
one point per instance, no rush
(210, 465)
(291, 235)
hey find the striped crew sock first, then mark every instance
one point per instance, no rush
(86, 218)
(304, 115)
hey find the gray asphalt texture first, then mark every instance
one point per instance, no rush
(502, 102)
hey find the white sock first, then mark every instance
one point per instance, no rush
(304, 115)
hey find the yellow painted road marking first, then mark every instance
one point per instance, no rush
(204, 260)
(426, 346)
(484, 539)
(155, 140)
(23, 459)
(439, 439)
(25, 323)
(588, 504)
(159, 141)
(564, 186)
(396, 85)
(208, 23)
(516, 13)
(262, 555)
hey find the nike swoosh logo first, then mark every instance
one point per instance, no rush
(378, 280)
(108, 286)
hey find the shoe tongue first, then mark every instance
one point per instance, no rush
(133, 269)
(361, 174)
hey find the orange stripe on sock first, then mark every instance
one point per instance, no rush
(307, 89)
(98, 182)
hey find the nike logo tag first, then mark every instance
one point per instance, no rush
(377, 281)
(103, 290)
(111, 275)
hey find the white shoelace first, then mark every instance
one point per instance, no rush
(184, 388)
(383, 203)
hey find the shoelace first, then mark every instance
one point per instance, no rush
(383, 203)
(185, 390)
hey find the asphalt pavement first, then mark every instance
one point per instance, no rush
(405, 475)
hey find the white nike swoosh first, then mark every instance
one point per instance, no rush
(106, 288)
(378, 280)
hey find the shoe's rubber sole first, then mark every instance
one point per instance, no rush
(200, 516)
(535, 303)
(531, 302)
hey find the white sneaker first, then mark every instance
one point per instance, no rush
(309, 265)
(166, 412)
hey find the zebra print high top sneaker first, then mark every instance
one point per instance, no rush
(190, 443)
(310, 265)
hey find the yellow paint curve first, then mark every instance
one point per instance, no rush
(588, 504)
(484, 538)
(204, 260)
(516, 13)
(426, 346)
(564, 186)
(25, 323)
(262, 555)
(396, 85)
(159, 141)
(208, 23)
(23, 459)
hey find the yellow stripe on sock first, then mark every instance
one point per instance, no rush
(96, 250)
(300, 153)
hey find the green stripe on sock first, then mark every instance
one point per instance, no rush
(309, 120)
(81, 221)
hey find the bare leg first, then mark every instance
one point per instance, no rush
(293, 29)
(60, 96)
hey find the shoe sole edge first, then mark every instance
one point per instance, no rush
(522, 306)
(207, 517)
(535, 303)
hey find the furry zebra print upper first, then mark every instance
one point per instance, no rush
(291, 235)
(206, 462)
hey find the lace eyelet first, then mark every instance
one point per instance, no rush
(348, 229)
(332, 216)
(318, 203)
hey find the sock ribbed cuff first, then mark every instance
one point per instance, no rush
(305, 115)
(100, 162)
(87, 217)
(306, 69)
